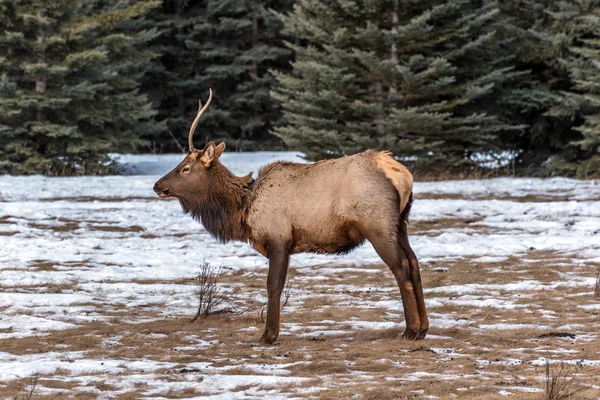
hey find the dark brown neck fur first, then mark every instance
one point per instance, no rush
(222, 207)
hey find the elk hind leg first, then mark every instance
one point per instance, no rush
(396, 260)
(415, 276)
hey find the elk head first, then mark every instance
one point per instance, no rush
(192, 175)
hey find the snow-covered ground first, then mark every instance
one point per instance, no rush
(73, 248)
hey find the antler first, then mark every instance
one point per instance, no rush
(195, 123)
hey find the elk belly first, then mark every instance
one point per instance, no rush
(326, 241)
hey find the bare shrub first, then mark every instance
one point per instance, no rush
(212, 299)
(28, 391)
(30, 388)
(561, 382)
(284, 300)
(286, 293)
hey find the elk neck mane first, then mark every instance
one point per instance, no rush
(222, 206)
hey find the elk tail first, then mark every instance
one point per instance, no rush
(406, 212)
(398, 176)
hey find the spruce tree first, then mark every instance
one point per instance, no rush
(68, 84)
(538, 98)
(226, 45)
(419, 78)
(578, 24)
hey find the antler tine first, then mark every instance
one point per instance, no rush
(195, 123)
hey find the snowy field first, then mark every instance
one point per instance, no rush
(97, 288)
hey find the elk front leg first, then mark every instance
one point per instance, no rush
(279, 260)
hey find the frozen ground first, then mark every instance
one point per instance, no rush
(97, 288)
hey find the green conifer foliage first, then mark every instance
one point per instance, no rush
(537, 99)
(412, 76)
(69, 90)
(557, 43)
(579, 22)
(226, 45)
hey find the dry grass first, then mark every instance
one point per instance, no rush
(528, 198)
(115, 228)
(183, 394)
(373, 363)
(91, 199)
(597, 286)
(38, 387)
(436, 227)
(341, 333)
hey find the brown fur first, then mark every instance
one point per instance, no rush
(327, 207)
(397, 174)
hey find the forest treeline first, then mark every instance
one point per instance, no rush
(447, 86)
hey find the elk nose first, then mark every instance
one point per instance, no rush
(160, 191)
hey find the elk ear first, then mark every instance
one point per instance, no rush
(208, 154)
(219, 149)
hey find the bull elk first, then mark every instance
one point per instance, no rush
(329, 207)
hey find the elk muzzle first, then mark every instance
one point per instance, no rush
(160, 190)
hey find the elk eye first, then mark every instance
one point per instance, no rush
(186, 169)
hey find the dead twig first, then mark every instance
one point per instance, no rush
(177, 142)
(561, 382)
(30, 388)
(286, 293)
(286, 297)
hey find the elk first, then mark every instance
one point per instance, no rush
(328, 207)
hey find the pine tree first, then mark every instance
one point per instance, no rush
(175, 83)
(579, 22)
(68, 87)
(538, 99)
(417, 77)
(226, 45)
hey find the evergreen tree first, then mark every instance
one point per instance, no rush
(579, 22)
(226, 45)
(538, 98)
(68, 84)
(418, 77)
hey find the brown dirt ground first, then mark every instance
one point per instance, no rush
(476, 349)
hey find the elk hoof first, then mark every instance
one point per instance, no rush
(412, 334)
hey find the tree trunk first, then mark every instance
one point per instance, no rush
(254, 41)
(254, 73)
(41, 83)
(381, 112)
(394, 50)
